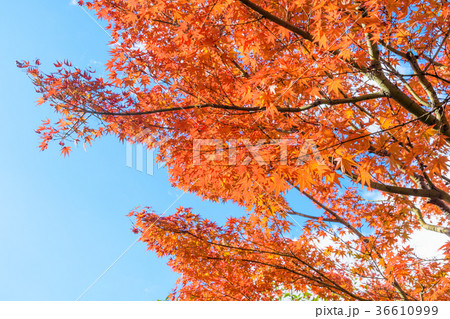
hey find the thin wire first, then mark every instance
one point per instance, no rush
(96, 22)
(126, 250)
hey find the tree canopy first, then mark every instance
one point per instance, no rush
(357, 91)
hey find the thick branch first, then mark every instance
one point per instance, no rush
(425, 225)
(407, 103)
(427, 193)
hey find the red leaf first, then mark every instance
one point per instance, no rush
(65, 150)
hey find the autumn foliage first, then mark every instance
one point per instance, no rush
(366, 81)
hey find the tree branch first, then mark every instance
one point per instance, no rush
(425, 225)
(333, 220)
(427, 193)
(316, 103)
(406, 102)
(266, 14)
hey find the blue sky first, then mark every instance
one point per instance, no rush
(63, 220)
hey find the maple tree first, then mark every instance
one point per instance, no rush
(367, 81)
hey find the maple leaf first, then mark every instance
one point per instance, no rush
(65, 150)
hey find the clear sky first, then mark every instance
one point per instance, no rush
(63, 220)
